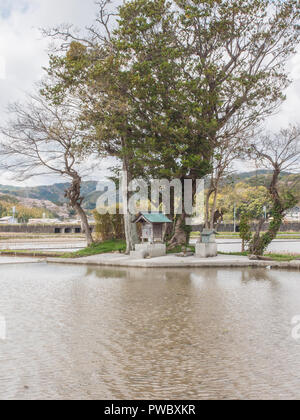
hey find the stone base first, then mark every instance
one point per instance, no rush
(138, 255)
(206, 250)
(149, 250)
(184, 255)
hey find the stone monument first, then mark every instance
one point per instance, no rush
(207, 246)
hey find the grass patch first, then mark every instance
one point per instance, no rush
(283, 257)
(96, 249)
(28, 253)
(110, 246)
(236, 235)
(284, 236)
(275, 257)
(238, 254)
(178, 249)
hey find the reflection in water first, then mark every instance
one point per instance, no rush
(79, 332)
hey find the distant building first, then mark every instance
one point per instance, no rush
(91, 220)
(293, 215)
(72, 221)
(9, 220)
(43, 221)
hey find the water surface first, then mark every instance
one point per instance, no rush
(84, 333)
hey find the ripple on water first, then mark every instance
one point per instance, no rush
(85, 333)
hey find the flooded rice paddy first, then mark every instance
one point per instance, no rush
(74, 332)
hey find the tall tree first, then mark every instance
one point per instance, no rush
(87, 73)
(229, 149)
(279, 152)
(193, 68)
(42, 138)
(184, 72)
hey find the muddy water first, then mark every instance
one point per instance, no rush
(75, 332)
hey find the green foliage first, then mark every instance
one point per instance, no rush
(8, 199)
(260, 242)
(161, 87)
(109, 226)
(23, 213)
(98, 248)
(174, 77)
(188, 230)
(248, 200)
(245, 230)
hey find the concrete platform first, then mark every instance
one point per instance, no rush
(19, 260)
(171, 261)
(143, 251)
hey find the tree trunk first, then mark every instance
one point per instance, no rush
(130, 228)
(213, 210)
(131, 233)
(73, 193)
(181, 234)
(85, 224)
(207, 215)
(260, 242)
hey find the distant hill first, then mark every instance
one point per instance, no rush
(54, 193)
(287, 181)
(255, 176)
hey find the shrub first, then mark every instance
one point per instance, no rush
(109, 226)
(245, 230)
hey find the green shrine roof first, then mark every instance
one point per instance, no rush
(154, 218)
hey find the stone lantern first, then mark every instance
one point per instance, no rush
(207, 247)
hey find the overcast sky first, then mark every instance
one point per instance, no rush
(23, 52)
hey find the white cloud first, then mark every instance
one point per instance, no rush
(289, 111)
(23, 50)
(21, 44)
